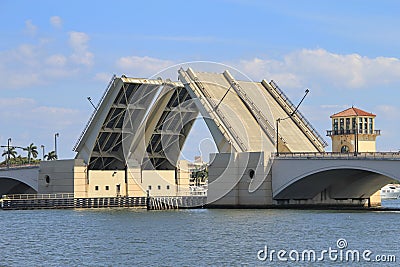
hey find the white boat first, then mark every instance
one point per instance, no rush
(390, 191)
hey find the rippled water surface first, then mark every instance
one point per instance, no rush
(201, 237)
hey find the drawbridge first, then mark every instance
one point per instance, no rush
(133, 141)
(146, 122)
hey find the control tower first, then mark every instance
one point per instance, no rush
(353, 130)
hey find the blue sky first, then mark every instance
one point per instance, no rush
(53, 54)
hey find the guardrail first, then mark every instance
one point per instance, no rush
(343, 132)
(94, 112)
(220, 113)
(263, 122)
(39, 196)
(19, 166)
(338, 155)
(195, 192)
(298, 113)
(204, 96)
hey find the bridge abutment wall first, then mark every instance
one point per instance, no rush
(239, 180)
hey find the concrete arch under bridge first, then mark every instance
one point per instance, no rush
(330, 178)
(19, 180)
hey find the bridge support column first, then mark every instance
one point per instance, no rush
(239, 180)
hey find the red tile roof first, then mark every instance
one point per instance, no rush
(352, 112)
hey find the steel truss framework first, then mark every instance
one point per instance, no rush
(154, 118)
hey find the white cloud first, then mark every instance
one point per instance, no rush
(30, 28)
(103, 77)
(18, 71)
(79, 44)
(56, 60)
(343, 71)
(78, 40)
(299, 69)
(270, 69)
(28, 113)
(388, 111)
(24, 55)
(85, 58)
(27, 65)
(26, 121)
(334, 107)
(18, 101)
(56, 21)
(182, 38)
(142, 66)
(55, 117)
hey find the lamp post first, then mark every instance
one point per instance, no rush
(42, 146)
(356, 139)
(8, 152)
(55, 143)
(279, 120)
(90, 100)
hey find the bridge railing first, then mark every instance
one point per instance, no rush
(185, 193)
(208, 99)
(196, 192)
(338, 155)
(39, 196)
(19, 166)
(110, 84)
(303, 119)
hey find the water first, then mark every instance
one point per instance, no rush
(201, 237)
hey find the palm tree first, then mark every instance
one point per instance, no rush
(32, 151)
(51, 155)
(10, 152)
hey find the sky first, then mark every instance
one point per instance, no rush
(54, 54)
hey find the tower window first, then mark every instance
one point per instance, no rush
(344, 149)
(335, 126)
(347, 123)
(342, 126)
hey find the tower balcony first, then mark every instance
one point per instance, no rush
(344, 132)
